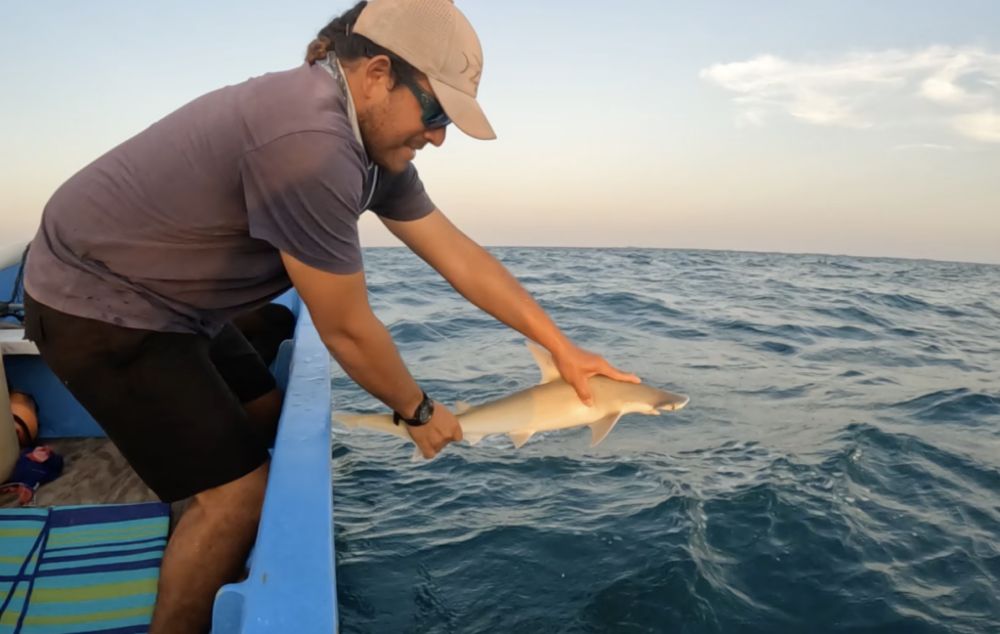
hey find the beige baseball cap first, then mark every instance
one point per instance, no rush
(436, 39)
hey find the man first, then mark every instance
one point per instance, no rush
(145, 256)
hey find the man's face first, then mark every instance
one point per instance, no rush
(393, 129)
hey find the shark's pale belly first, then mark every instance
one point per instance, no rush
(543, 407)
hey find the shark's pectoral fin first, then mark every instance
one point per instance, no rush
(599, 429)
(472, 439)
(521, 437)
(545, 363)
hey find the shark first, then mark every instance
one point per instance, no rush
(550, 405)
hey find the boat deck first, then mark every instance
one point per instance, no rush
(94, 472)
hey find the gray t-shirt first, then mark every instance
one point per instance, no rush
(179, 228)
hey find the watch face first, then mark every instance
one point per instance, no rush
(425, 411)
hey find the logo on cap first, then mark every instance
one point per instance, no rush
(475, 65)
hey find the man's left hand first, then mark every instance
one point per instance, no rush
(576, 365)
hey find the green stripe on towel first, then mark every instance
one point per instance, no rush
(80, 569)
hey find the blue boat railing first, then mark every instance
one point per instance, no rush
(291, 584)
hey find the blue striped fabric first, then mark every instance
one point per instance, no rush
(80, 569)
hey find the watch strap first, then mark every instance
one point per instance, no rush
(415, 419)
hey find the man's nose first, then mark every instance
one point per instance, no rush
(436, 136)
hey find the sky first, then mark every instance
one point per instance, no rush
(839, 127)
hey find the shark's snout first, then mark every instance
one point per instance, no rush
(672, 402)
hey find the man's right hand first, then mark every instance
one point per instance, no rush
(442, 429)
(363, 347)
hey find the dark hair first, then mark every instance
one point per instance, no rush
(339, 36)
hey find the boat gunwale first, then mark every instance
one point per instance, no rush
(291, 585)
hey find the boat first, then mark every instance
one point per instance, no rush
(290, 584)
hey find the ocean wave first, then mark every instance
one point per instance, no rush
(629, 304)
(955, 405)
(853, 314)
(790, 331)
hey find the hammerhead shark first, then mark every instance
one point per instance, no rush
(550, 405)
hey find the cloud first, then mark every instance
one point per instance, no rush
(983, 126)
(925, 146)
(956, 87)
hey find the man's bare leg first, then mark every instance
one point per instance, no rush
(208, 549)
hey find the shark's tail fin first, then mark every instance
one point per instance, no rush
(377, 422)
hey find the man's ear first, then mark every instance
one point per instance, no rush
(378, 74)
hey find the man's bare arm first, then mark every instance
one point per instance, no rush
(485, 282)
(364, 349)
(478, 276)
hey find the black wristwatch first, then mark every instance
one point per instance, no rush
(421, 416)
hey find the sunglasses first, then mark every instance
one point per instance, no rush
(431, 112)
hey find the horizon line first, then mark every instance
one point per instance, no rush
(6, 247)
(712, 250)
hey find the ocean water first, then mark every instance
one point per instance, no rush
(837, 470)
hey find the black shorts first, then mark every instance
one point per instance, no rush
(171, 402)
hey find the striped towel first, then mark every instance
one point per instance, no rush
(80, 569)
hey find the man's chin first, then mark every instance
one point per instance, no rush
(394, 166)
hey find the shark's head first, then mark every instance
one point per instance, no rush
(616, 398)
(635, 397)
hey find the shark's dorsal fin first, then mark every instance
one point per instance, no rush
(521, 437)
(599, 429)
(544, 360)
